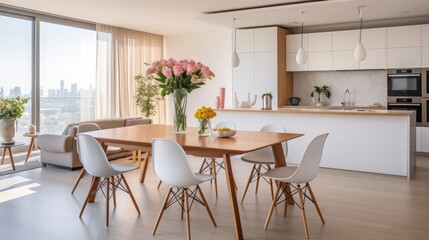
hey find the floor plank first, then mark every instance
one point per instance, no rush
(355, 206)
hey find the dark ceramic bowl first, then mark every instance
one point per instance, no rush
(294, 101)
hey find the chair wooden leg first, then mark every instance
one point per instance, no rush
(159, 184)
(143, 167)
(107, 200)
(82, 173)
(248, 182)
(188, 222)
(112, 180)
(183, 204)
(286, 202)
(215, 174)
(11, 158)
(273, 204)
(93, 184)
(304, 218)
(315, 203)
(271, 183)
(164, 204)
(130, 193)
(30, 149)
(258, 176)
(206, 205)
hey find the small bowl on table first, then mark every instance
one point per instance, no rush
(223, 134)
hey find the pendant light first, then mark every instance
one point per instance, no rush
(235, 60)
(301, 56)
(360, 52)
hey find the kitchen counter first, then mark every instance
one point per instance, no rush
(335, 110)
(360, 139)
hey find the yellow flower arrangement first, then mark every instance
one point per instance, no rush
(204, 115)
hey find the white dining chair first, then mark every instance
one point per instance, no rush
(104, 174)
(84, 127)
(262, 160)
(303, 174)
(172, 166)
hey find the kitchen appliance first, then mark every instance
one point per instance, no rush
(267, 99)
(425, 82)
(407, 103)
(294, 101)
(404, 82)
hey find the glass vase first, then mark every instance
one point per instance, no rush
(204, 127)
(180, 97)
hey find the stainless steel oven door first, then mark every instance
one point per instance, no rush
(425, 112)
(425, 82)
(417, 107)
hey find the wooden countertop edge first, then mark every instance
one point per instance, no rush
(328, 112)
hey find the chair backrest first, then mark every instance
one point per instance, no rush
(278, 129)
(310, 162)
(171, 164)
(87, 127)
(226, 125)
(93, 158)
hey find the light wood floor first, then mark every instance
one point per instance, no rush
(355, 206)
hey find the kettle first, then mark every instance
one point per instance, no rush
(294, 101)
(266, 101)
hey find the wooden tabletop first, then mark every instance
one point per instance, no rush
(142, 135)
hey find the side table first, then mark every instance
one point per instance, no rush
(30, 148)
(7, 148)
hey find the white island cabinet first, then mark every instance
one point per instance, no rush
(375, 141)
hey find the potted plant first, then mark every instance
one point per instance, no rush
(321, 90)
(11, 109)
(147, 94)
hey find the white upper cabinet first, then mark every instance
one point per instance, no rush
(374, 38)
(345, 40)
(264, 80)
(405, 36)
(319, 42)
(293, 42)
(425, 57)
(375, 59)
(344, 60)
(242, 76)
(265, 39)
(410, 57)
(320, 61)
(244, 42)
(425, 35)
(292, 65)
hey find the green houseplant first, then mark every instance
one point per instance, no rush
(147, 94)
(11, 109)
(319, 90)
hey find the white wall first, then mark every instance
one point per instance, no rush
(366, 87)
(212, 49)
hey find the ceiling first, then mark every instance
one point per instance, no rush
(174, 17)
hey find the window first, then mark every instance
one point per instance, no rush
(67, 76)
(16, 64)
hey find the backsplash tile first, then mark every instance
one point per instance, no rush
(366, 87)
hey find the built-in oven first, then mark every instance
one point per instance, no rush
(425, 112)
(407, 103)
(406, 82)
(425, 82)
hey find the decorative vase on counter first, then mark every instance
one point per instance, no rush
(204, 127)
(7, 131)
(180, 98)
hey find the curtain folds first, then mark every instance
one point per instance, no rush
(121, 55)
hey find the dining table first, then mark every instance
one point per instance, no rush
(141, 136)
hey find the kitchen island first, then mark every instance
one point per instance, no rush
(367, 140)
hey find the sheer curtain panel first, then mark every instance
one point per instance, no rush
(121, 55)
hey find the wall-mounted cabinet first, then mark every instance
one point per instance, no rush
(262, 68)
(386, 48)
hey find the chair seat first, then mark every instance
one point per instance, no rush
(123, 168)
(204, 177)
(261, 156)
(281, 173)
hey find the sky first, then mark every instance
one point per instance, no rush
(66, 53)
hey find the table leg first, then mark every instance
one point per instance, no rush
(30, 149)
(143, 167)
(2, 156)
(279, 157)
(233, 197)
(11, 158)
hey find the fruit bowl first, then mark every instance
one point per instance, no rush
(223, 134)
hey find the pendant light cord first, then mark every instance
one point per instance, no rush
(361, 20)
(235, 36)
(302, 29)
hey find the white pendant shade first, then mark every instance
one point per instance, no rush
(301, 56)
(360, 52)
(235, 60)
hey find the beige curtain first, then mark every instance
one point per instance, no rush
(121, 55)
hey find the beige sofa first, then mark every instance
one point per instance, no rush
(61, 149)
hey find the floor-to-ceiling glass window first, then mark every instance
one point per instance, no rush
(67, 75)
(16, 63)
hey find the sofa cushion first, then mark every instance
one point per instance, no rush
(55, 143)
(133, 122)
(102, 123)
